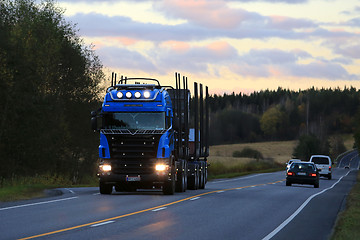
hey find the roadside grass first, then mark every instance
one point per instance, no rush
(23, 188)
(348, 224)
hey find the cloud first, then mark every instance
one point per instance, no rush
(323, 70)
(287, 23)
(209, 14)
(273, 56)
(122, 58)
(352, 51)
(94, 24)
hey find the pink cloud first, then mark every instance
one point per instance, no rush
(221, 48)
(177, 46)
(214, 14)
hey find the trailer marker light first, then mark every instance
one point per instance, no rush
(137, 95)
(119, 94)
(146, 94)
(128, 94)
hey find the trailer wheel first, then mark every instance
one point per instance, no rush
(169, 186)
(193, 181)
(181, 180)
(105, 188)
(202, 176)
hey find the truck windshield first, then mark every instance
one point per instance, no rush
(128, 120)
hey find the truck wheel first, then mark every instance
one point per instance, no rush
(181, 181)
(197, 178)
(329, 176)
(169, 186)
(193, 181)
(202, 176)
(105, 188)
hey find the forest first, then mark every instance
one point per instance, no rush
(50, 81)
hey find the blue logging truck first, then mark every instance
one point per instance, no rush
(149, 137)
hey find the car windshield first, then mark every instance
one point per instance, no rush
(302, 166)
(133, 120)
(320, 160)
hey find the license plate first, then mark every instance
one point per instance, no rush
(302, 173)
(133, 179)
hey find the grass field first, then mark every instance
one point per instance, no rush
(278, 151)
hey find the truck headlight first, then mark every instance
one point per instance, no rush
(161, 167)
(105, 168)
(128, 94)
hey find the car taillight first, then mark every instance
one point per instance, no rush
(290, 174)
(329, 168)
(313, 174)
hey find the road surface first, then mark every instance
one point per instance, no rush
(257, 206)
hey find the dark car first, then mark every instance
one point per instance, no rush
(302, 173)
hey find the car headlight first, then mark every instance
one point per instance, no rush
(105, 168)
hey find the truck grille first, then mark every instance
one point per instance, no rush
(133, 154)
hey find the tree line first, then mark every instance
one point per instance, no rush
(49, 84)
(285, 114)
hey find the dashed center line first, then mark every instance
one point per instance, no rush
(195, 198)
(159, 209)
(100, 224)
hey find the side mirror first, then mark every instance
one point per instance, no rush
(94, 123)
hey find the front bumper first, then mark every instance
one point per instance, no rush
(302, 179)
(141, 181)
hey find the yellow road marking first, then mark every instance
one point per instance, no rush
(142, 211)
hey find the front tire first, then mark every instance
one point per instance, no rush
(169, 186)
(105, 188)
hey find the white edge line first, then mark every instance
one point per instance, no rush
(100, 224)
(220, 191)
(159, 209)
(195, 198)
(33, 204)
(289, 219)
(96, 194)
(71, 191)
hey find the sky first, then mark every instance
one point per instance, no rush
(230, 46)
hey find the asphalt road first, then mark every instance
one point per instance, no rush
(258, 206)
